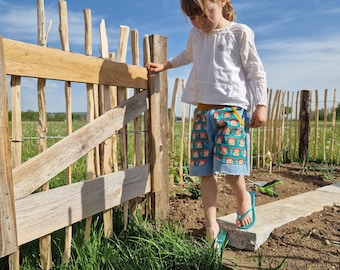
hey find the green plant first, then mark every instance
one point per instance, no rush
(278, 267)
(195, 190)
(326, 170)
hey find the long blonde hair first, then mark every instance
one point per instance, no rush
(196, 8)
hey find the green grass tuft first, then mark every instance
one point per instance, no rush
(145, 245)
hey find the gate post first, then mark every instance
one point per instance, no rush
(159, 130)
(305, 104)
(8, 233)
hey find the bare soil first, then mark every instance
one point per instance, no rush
(311, 242)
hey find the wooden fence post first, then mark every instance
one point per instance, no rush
(8, 234)
(325, 114)
(316, 123)
(305, 104)
(159, 130)
(173, 117)
(64, 39)
(137, 159)
(45, 241)
(90, 90)
(106, 146)
(331, 154)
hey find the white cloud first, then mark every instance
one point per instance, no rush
(302, 63)
(332, 11)
(20, 22)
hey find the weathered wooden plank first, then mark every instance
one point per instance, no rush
(331, 148)
(64, 38)
(106, 147)
(137, 158)
(30, 60)
(16, 121)
(16, 148)
(181, 147)
(44, 242)
(33, 173)
(316, 124)
(90, 93)
(8, 237)
(304, 116)
(71, 203)
(121, 97)
(173, 116)
(159, 130)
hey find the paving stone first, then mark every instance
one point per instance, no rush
(275, 214)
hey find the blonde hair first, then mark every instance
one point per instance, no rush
(193, 8)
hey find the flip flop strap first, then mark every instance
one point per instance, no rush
(240, 218)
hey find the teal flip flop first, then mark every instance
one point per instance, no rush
(220, 241)
(252, 209)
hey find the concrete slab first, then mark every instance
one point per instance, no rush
(275, 214)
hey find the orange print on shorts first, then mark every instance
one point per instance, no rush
(229, 160)
(240, 161)
(231, 141)
(223, 150)
(236, 152)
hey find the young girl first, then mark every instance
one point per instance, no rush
(226, 72)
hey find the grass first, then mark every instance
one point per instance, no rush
(146, 245)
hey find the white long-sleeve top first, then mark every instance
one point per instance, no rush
(226, 68)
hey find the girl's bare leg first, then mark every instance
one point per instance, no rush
(242, 196)
(209, 187)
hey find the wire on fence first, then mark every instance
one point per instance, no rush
(61, 137)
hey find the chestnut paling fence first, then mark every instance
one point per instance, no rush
(112, 177)
(117, 94)
(302, 126)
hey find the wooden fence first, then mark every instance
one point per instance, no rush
(288, 136)
(27, 214)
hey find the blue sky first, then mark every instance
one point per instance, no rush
(298, 40)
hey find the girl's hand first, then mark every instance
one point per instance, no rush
(156, 67)
(259, 117)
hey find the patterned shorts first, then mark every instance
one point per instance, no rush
(220, 142)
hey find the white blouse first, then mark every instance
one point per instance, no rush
(226, 68)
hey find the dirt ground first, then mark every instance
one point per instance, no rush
(311, 242)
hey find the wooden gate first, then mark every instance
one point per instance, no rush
(27, 215)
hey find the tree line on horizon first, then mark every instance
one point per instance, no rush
(81, 116)
(55, 116)
(289, 110)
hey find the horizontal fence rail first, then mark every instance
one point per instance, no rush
(40, 62)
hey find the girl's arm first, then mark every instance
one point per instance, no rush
(183, 58)
(252, 65)
(256, 76)
(157, 67)
(259, 117)
(179, 60)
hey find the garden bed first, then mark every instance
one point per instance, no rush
(312, 242)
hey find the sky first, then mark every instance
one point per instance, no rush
(297, 40)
